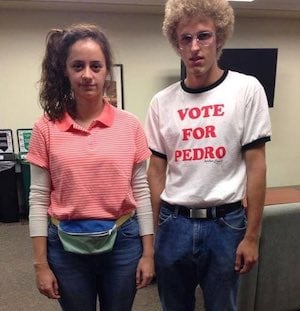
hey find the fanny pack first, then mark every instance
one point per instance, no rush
(88, 237)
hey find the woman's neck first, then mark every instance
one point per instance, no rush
(87, 111)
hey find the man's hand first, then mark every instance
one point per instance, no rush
(246, 255)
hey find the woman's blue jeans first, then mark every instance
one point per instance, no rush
(109, 276)
(191, 252)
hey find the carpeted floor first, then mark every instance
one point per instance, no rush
(17, 284)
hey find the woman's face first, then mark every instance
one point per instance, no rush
(86, 69)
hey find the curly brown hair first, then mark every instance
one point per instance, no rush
(219, 11)
(55, 90)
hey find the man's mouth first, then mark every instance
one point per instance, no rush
(196, 58)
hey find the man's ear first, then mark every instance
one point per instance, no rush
(219, 44)
(178, 50)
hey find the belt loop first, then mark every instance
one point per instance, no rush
(176, 211)
(214, 212)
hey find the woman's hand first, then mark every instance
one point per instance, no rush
(145, 271)
(46, 281)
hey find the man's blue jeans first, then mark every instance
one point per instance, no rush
(110, 276)
(189, 252)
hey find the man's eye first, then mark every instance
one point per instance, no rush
(204, 36)
(186, 39)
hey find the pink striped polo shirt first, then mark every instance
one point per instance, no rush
(90, 169)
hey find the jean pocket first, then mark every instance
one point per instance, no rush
(236, 220)
(130, 228)
(52, 233)
(164, 215)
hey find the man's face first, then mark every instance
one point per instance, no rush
(197, 45)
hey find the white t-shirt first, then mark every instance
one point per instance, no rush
(202, 134)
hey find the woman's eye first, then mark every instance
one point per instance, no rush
(77, 67)
(96, 66)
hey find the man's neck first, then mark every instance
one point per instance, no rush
(197, 81)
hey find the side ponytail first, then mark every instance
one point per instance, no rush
(53, 80)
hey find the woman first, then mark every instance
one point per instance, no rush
(88, 162)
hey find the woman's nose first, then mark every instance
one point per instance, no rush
(86, 75)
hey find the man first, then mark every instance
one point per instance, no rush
(207, 135)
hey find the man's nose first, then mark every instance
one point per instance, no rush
(195, 44)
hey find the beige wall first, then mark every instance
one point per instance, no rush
(149, 65)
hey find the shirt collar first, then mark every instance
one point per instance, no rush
(105, 119)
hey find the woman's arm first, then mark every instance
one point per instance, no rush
(38, 227)
(145, 269)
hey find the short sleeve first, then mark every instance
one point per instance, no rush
(152, 128)
(142, 150)
(38, 146)
(257, 124)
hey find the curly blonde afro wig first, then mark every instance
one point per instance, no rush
(219, 11)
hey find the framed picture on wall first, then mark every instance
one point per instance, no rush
(114, 88)
(259, 62)
(6, 145)
(6, 141)
(24, 136)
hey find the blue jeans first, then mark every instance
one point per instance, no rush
(109, 276)
(191, 252)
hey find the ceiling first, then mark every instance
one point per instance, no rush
(290, 8)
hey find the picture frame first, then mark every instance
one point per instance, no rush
(24, 136)
(6, 141)
(261, 63)
(114, 88)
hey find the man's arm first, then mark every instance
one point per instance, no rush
(247, 251)
(156, 179)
